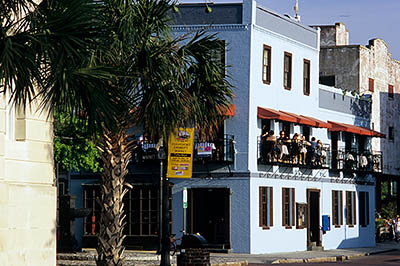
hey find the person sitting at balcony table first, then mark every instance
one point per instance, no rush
(323, 153)
(363, 162)
(295, 148)
(282, 145)
(349, 160)
(303, 149)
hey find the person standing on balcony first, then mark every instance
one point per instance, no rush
(283, 141)
(313, 151)
(303, 149)
(268, 144)
(295, 148)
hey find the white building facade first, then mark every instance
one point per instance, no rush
(27, 187)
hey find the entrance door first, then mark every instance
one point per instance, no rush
(209, 214)
(313, 226)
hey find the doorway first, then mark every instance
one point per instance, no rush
(209, 215)
(313, 226)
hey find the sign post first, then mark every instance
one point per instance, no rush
(184, 209)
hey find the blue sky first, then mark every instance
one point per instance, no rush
(365, 19)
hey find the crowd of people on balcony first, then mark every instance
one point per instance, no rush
(296, 150)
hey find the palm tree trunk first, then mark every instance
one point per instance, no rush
(115, 156)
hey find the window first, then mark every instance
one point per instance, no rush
(363, 201)
(266, 74)
(391, 133)
(20, 123)
(306, 77)
(140, 207)
(288, 207)
(327, 80)
(350, 208)
(287, 71)
(10, 118)
(337, 208)
(266, 207)
(301, 218)
(391, 92)
(91, 224)
(371, 85)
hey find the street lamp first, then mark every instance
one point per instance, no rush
(164, 241)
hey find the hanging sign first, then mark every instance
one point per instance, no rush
(184, 198)
(180, 153)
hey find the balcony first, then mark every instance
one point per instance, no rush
(357, 160)
(269, 153)
(217, 151)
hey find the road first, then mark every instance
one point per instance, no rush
(390, 258)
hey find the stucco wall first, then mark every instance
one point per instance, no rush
(27, 193)
(274, 95)
(352, 66)
(343, 63)
(377, 63)
(343, 237)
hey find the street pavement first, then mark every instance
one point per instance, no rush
(313, 256)
(383, 259)
(217, 259)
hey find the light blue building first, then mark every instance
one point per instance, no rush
(280, 206)
(243, 197)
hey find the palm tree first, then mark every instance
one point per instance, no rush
(46, 51)
(170, 85)
(115, 64)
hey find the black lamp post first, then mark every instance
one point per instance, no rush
(164, 241)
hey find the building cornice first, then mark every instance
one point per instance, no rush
(222, 27)
(282, 37)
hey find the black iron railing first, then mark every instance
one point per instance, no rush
(293, 154)
(218, 150)
(357, 160)
(321, 157)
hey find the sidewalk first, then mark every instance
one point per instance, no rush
(139, 258)
(314, 256)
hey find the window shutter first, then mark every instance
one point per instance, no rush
(283, 206)
(341, 208)
(354, 208)
(260, 207)
(293, 208)
(371, 85)
(347, 208)
(271, 206)
(334, 214)
(367, 206)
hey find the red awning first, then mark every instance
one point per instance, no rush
(266, 113)
(320, 123)
(302, 119)
(228, 111)
(336, 126)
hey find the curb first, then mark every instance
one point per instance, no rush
(331, 259)
(237, 263)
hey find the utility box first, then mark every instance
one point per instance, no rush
(326, 223)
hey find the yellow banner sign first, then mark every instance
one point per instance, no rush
(180, 153)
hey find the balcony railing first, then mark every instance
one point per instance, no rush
(272, 153)
(357, 160)
(219, 150)
(340, 159)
